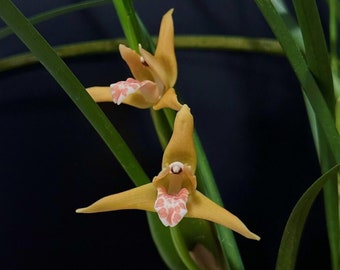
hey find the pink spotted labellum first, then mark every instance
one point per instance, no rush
(172, 193)
(154, 75)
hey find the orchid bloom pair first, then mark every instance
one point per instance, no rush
(172, 193)
(154, 75)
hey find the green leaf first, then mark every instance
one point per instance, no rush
(316, 52)
(320, 111)
(181, 246)
(201, 233)
(163, 240)
(292, 233)
(309, 85)
(134, 30)
(206, 182)
(50, 14)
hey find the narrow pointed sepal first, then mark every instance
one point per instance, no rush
(133, 60)
(165, 51)
(199, 206)
(141, 198)
(123, 89)
(100, 93)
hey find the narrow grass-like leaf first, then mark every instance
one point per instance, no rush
(163, 240)
(129, 22)
(162, 127)
(322, 120)
(67, 80)
(309, 85)
(195, 232)
(319, 62)
(316, 52)
(290, 22)
(292, 233)
(208, 184)
(182, 249)
(50, 14)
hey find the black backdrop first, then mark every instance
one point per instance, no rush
(249, 113)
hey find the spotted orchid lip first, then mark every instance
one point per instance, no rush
(171, 208)
(122, 89)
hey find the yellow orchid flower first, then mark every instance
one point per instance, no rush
(154, 75)
(172, 193)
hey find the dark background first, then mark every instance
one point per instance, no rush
(249, 114)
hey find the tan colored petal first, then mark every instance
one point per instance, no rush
(141, 198)
(160, 71)
(199, 206)
(168, 100)
(133, 60)
(181, 145)
(165, 50)
(137, 100)
(100, 93)
(150, 91)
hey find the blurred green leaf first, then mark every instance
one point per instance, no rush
(310, 87)
(50, 14)
(292, 233)
(320, 110)
(319, 63)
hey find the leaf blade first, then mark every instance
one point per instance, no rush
(293, 230)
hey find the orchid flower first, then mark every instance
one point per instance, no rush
(154, 75)
(172, 193)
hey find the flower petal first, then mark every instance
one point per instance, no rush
(100, 93)
(168, 100)
(150, 91)
(181, 145)
(158, 68)
(141, 198)
(122, 89)
(139, 71)
(199, 206)
(137, 100)
(165, 50)
(171, 208)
